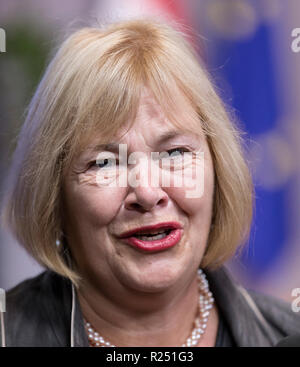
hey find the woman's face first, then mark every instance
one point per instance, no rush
(95, 214)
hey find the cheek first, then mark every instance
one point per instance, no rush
(196, 199)
(90, 204)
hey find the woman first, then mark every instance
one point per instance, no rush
(130, 262)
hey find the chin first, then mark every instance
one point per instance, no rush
(154, 280)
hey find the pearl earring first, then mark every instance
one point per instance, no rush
(58, 242)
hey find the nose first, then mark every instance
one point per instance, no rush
(144, 196)
(145, 199)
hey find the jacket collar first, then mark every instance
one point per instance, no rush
(80, 338)
(247, 324)
(247, 329)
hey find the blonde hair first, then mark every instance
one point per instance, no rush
(93, 83)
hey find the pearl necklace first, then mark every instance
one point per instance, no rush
(205, 303)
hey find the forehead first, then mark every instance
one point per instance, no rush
(152, 121)
(181, 114)
(153, 118)
(162, 138)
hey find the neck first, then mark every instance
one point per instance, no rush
(129, 318)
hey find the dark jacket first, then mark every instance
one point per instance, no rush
(38, 313)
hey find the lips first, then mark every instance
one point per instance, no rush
(138, 237)
(151, 229)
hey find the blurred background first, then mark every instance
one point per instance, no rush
(246, 46)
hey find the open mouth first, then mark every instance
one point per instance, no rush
(152, 237)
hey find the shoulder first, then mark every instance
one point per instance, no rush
(37, 310)
(47, 287)
(268, 318)
(36, 286)
(277, 312)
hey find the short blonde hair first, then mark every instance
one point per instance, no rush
(93, 83)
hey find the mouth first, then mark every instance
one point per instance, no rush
(154, 237)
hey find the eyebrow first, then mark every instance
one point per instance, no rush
(114, 146)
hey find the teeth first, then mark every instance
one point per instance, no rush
(153, 232)
(151, 238)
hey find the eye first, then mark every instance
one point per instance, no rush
(103, 163)
(175, 159)
(178, 152)
(110, 162)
